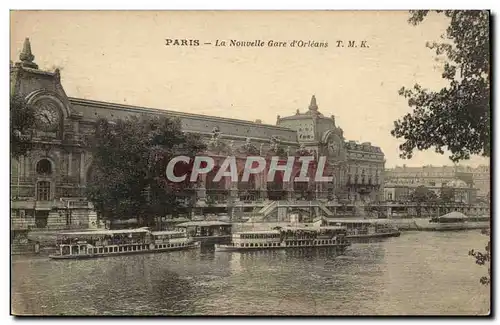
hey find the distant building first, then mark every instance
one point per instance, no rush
(456, 190)
(477, 178)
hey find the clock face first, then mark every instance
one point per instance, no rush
(47, 115)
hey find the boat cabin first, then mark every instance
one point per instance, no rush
(331, 231)
(257, 236)
(160, 237)
(103, 241)
(358, 226)
(201, 229)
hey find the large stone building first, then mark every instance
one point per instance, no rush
(475, 182)
(456, 191)
(48, 184)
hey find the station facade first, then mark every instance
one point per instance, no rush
(48, 183)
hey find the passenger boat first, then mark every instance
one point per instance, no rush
(207, 232)
(101, 243)
(457, 221)
(287, 237)
(365, 229)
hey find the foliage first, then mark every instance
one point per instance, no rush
(420, 195)
(22, 120)
(483, 258)
(458, 116)
(423, 194)
(447, 194)
(128, 172)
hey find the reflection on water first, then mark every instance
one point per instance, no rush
(417, 273)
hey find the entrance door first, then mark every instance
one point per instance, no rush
(41, 218)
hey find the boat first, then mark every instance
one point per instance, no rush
(365, 229)
(287, 238)
(102, 243)
(207, 232)
(457, 221)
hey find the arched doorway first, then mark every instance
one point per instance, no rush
(275, 187)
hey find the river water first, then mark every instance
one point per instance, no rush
(419, 273)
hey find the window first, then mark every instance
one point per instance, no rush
(44, 167)
(43, 191)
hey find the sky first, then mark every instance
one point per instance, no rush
(121, 57)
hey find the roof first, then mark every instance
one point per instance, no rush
(103, 232)
(300, 228)
(198, 123)
(182, 219)
(331, 227)
(454, 215)
(457, 183)
(349, 220)
(203, 224)
(165, 232)
(257, 232)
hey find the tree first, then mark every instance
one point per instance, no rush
(422, 195)
(483, 258)
(129, 168)
(22, 120)
(447, 194)
(458, 116)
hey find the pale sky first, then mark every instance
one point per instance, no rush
(121, 57)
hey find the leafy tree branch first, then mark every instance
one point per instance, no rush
(456, 117)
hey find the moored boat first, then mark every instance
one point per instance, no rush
(102, 243)
(288, 237)
(457, 221)
(365, 229)
(207, 232)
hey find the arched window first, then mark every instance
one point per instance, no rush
(43, 191)
(44, 167)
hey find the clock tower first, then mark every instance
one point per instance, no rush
(50, 177)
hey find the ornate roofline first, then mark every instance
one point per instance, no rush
(138, 109)
(243, 138)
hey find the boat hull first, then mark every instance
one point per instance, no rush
(459, 226)
(229, 248)
(375, 235)
(145, 251)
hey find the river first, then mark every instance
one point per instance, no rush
(419, 273)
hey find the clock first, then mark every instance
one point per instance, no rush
(47, 115)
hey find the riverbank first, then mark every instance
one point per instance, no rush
(47, 239)
(410, 224)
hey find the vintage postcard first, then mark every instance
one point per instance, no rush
(320, 163)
